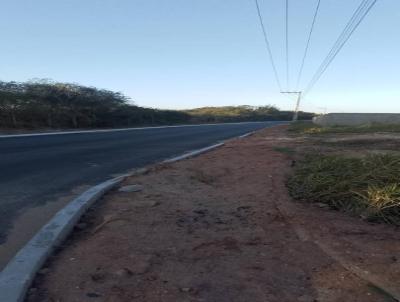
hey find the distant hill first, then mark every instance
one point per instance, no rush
(243, 113)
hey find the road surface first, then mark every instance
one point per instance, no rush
(38, 170)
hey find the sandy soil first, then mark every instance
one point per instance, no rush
(221, 227)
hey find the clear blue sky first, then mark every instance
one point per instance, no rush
(192, 53)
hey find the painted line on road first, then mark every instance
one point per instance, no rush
(123, 129)
(18, 275)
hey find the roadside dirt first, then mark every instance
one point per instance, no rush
(221, 227)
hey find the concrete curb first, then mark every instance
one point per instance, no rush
(192, 153)
(18, 275)
(247, 134)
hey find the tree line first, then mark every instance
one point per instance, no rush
(243, 113)
(47, 104)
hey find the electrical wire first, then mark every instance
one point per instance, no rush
(287, 42)
(339, 42)
(268, 45)
(345, 31)
(308, 43)
(358, 16)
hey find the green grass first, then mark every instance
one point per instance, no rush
(310, 128)
(368, 186)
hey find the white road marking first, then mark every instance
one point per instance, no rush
(120, 129)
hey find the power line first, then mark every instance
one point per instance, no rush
(342, 39)
(287, 42)
(308, 43)
(358, 16)
(271, 57)
(345, 31)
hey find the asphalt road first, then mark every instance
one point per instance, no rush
(37, 170)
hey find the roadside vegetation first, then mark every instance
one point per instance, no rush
(243, 113)
(355, 174)
(367, 186)
(45, 104)
(307, 127)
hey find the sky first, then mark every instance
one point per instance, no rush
(182, 54)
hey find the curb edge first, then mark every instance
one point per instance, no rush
(19, 273)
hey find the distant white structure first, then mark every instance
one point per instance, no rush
(356, 119)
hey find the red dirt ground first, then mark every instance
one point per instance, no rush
(222, 227)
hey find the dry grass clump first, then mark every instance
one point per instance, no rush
(304, 127)
(367, 186)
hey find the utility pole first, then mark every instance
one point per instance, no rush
(296, 110)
